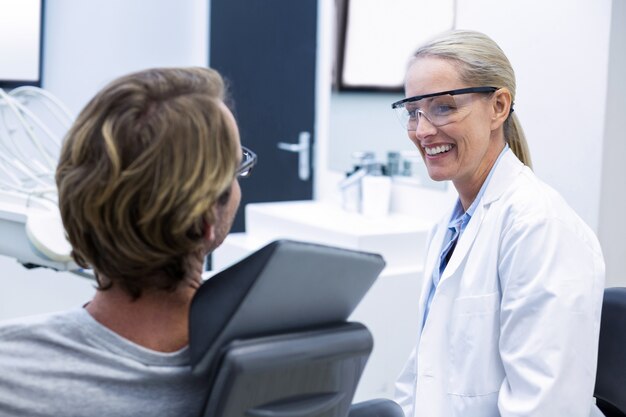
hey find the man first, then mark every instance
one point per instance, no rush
(147, 183)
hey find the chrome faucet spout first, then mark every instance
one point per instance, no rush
(353, 178)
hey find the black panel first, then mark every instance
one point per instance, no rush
(266, 50)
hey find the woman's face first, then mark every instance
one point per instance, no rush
(469, 147)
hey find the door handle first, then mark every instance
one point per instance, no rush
(303, 148)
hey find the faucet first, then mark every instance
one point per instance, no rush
(364, 164)
(352, 194)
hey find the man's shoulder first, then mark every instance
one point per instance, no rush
(40, 327)
(48, 362)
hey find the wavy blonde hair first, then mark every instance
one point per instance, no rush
(140, 172)
(481, 63)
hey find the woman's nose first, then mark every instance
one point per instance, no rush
(424, 126)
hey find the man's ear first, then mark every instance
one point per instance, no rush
(209, 233)
(501, 106)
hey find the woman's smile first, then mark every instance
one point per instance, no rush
(437, 150)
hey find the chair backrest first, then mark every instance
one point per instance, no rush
(304, 374)
(610, 390)
(269, 334)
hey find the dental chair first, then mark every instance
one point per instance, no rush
(610, 389)
(270, 337)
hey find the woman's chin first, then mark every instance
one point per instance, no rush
(438, 175)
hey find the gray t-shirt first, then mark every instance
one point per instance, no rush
(68, 364)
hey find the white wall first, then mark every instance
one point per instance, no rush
(364, 122)
(26, 292)
(612, 230)
(89, 43)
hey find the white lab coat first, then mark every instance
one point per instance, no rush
(513, 325)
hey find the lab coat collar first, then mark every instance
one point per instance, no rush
(506, 171)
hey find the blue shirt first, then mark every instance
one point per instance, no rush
(458, 222)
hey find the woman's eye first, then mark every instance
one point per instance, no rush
(443, 109)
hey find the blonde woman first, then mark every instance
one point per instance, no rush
(510, 307)
(147, 183)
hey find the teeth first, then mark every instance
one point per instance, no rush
(438, 149)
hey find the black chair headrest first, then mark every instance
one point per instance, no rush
(285, 286)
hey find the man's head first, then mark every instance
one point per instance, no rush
(146, 177)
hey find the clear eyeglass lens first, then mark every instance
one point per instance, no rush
(439, 111)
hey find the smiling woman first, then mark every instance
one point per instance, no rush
(510, 267)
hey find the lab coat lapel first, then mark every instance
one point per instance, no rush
(432, 260)
(505, 172)
(465, 243)
(434, 250)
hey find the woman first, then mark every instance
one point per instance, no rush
(510, 306)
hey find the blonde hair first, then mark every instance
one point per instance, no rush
(140, 172)
(481, 63)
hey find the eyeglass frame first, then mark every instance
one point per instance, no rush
(248, 162)
(443, 93)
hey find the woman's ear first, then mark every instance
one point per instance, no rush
(501, 102)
